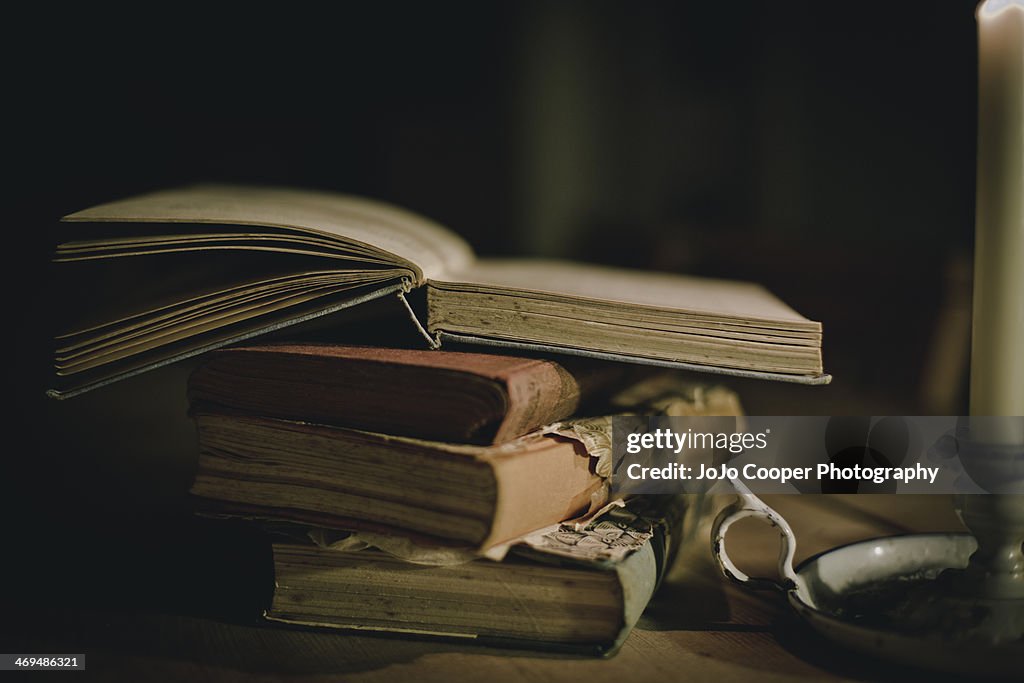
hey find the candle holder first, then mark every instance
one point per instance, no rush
(952, 602)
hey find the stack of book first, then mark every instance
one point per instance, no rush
(438, 492)
(435, 491)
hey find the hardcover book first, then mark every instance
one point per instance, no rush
(348, 479)
(566, 587)
(469, 398)
(163, 276)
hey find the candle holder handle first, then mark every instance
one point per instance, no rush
(749, 505)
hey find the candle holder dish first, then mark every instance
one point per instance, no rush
(885, 597)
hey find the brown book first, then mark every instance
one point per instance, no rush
(438, 395)
(348, 479)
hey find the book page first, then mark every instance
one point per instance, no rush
(429, 247)
(663, 291)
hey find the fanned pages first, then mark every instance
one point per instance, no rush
(155, 278)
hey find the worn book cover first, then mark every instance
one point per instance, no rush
(451, 396)
(574, 587)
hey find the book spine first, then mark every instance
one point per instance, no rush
(642, 572)
(539, 393)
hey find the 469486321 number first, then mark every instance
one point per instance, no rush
(14, 662)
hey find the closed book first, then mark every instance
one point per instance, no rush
(566, 587)
(343, 478)
(438, 395)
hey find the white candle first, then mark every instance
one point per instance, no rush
(997, 357)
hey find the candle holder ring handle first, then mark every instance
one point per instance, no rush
(749, 505)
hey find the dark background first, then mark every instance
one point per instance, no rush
(824, 149)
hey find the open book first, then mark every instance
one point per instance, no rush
(168, 275)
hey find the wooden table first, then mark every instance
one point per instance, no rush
(698, 628)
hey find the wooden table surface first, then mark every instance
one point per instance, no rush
(698, 628)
